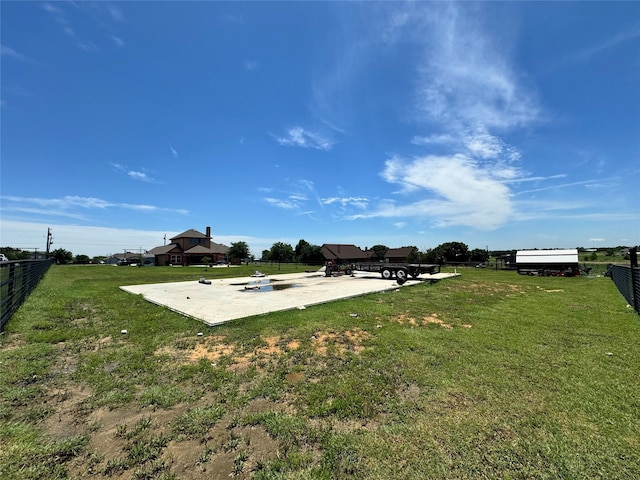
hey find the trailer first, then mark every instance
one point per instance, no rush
(559, 262)
(400, 271)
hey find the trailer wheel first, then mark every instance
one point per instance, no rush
(386, 273)
(347, 271)
(401, 275)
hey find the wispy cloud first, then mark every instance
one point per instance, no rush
(117, 40)
(607, 44)
(103, 14)
(301, 137)
(73, 206)
(174, 152)
(10, 52)
(466, 82)
(287, 204)
(296, 199)
(358, 202)
(134, 174)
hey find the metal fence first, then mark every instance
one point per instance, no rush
(17, 281)
(627, 279)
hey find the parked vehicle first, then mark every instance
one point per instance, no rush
(3, 258)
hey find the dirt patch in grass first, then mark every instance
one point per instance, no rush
(347, 341)
(215, 348)
(228, 449)
(488, 288)
(12, 343)
(431, 319)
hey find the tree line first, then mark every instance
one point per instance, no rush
(307, 253)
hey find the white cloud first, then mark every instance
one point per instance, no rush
(358, 202)
(598, 240)
(435, 139)
(280, 203)
(300, 137)
(73, 206)
(174, 152)
(455, 190)
(134, 174)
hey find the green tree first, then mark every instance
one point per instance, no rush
(238, 251)
(379, 251)
(15, 253)
(478, 255)
(281, 253)
(265, 255)
(62, 256)
(81, 259)
(307, 253)
(452, 252)
(302, 250)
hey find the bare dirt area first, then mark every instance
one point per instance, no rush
(131, 442)
(431, 319)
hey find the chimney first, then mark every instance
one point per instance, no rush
(208, 232)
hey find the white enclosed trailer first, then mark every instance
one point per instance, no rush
(548, 262)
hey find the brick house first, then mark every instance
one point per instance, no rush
(190, 248)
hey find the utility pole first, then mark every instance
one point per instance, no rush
(49, 240)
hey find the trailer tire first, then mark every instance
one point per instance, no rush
(347, 271)
(401, 280)
(401, 274)
(386, 273)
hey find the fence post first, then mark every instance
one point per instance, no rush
(633, 256)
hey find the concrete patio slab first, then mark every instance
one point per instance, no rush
(227, 299)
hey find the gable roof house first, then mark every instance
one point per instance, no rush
(351, 253)
(398, 255)
(189, 248)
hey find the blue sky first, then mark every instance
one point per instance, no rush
(504, 125)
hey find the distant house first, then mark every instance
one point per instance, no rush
(122, 258)
(398, 255)
(547, 262)
(335, 251)
(189, 248)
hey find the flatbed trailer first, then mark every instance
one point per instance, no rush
(400, 271)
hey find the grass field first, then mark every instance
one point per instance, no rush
(487, 375)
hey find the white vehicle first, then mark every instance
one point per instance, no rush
(3, 258)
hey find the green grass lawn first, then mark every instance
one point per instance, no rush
(487, 375)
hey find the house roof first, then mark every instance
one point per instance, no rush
(172, 247)
(402, 252)
(202, 250)
(219, 248)
(191, 233)
(336, 251)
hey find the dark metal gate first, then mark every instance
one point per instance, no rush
(17, 281)
(627, 279)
